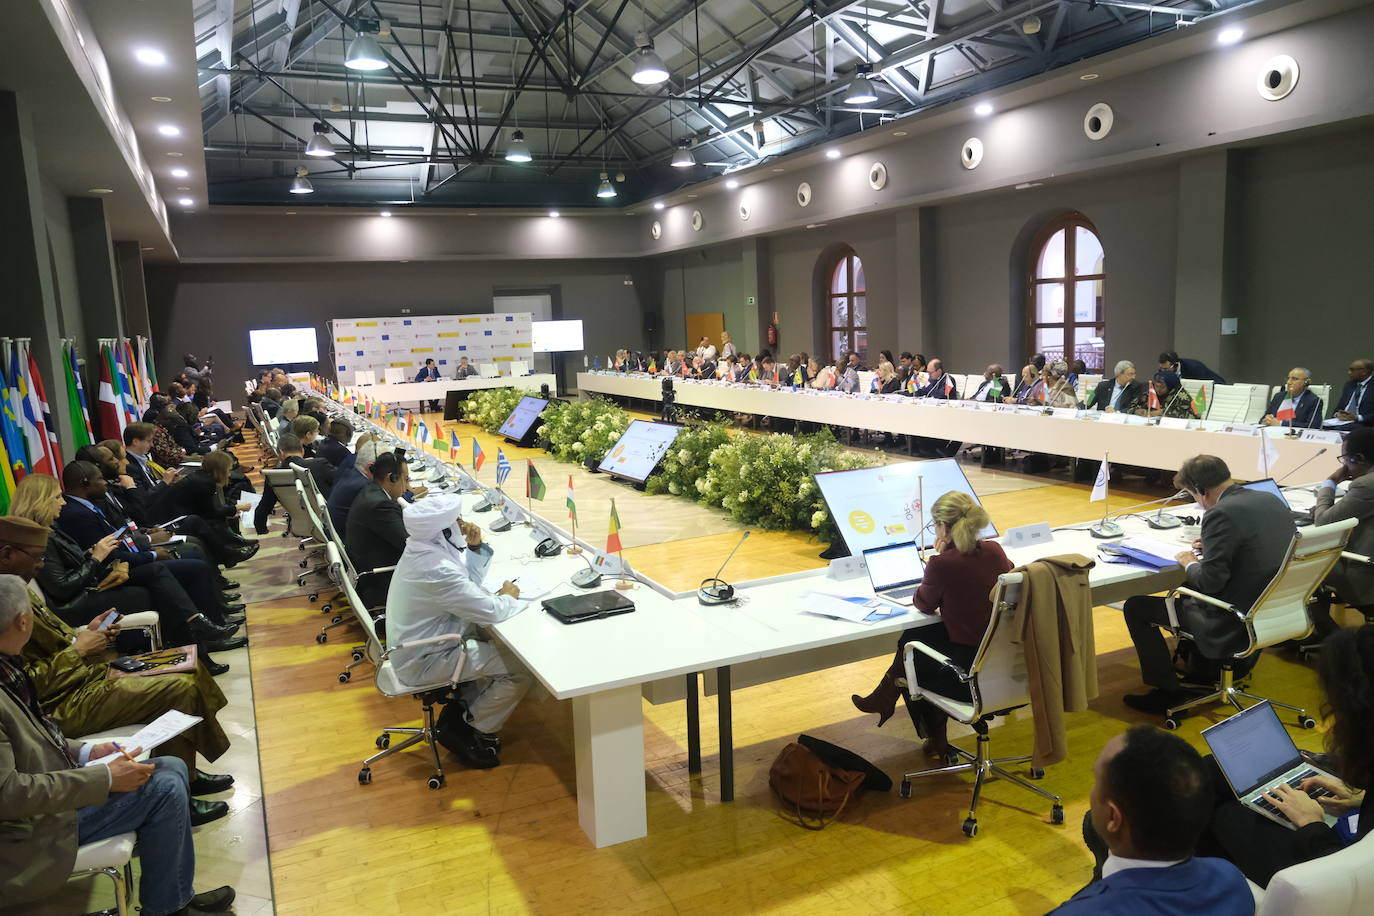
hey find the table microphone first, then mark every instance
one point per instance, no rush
(715, 591)
(1310, 458)
(1160, 521)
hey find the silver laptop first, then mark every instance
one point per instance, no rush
(895, 571)
(1256, 753)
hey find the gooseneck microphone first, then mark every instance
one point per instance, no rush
(1310, 458)
(715, 590)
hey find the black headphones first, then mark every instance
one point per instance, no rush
(549, 547)
(388, 464)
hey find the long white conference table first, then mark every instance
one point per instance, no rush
(1073, 433)
(398, 392)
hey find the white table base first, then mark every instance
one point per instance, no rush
(608, 737)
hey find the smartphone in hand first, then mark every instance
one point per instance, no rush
(110, 620)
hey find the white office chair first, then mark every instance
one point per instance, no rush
(519, 367)
(113, 858)
(1193, 385)
(1279, 614)
(283, 483)
(488, 370)
(318, 536)
(365, 377)
(394, 376)
(999, 684)
(1341, 884)
(1229, 404)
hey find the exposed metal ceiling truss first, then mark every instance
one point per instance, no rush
(750, 79)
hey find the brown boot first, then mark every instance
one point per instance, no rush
(883, 699)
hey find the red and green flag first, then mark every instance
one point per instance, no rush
(534, 484)
(572, 504)
(613, 535)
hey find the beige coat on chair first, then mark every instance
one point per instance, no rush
(1055, 620)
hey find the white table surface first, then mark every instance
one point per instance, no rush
(435, 390)
(605, 666)
(1132, 442)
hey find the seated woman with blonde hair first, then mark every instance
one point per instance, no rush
(958, 583)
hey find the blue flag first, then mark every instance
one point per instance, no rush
(502, 467)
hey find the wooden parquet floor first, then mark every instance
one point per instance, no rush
(507, 840)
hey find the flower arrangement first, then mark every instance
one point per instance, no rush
(582, 430)
(489, 407)
(686, 464)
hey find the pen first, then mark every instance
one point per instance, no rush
(122, 751)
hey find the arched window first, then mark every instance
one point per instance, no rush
(847, 307)
(1067, 276)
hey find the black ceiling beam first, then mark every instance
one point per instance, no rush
(605, 34)
(313, 113)
(539, 40)
(759, 49)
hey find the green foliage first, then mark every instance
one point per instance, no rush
(489, 407)
(688, 461)
(579, 430)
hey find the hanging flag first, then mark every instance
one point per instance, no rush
(1152, 400)
(31, 421)
(111, 417)
(613, 535)
(1287, 410)
(534, 484)
(81, 431)
(1268, 455)
(149, 369)
(453, 444)
(1104, 473)
(39, 394)
(421, 432)
(11, 430)
(478, 456)
(79, 401)
(7, 482)
(572, 504)
(1200, 402)
(502, 467)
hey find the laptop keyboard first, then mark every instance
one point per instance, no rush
(1263, 801)
(897, 594)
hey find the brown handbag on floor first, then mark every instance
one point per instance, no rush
(811, 791)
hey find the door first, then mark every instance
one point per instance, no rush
(703, 324)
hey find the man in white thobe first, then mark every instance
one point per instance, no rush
(437, 590)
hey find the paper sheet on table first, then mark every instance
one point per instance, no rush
(160, 730)
(246, 516)
(1333, 423)
(855, 609)
(531, 586)
(1165, 551)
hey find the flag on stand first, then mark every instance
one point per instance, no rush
(1200, 402)
(1152, 400)
(40, 397)
(797, 379)
(1092, 397)
(112, 421)
(402, 423)
(653, 365)
(478, 456)
(439, 437)
(1104, 473)
(534, 484)
(572, 504)
(1287, 410)
(76, 398)
(453, 445)
(613, 535)
(502, 467)
(421, 432)
(949, 384)
(1268, 455)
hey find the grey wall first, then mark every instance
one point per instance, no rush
(209, 308)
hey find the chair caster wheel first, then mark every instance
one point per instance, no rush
(321, 638)
(357, 656)
(1037, 773)
(904, 789)
(383, 741)
(435, 782)
(1171, 723)
(337, 618)
(314, 596)
(970, 827)
(326, 608)
(1307, 722)
(345, 676)
(302, 563)
(1057, 814)
(365, 776)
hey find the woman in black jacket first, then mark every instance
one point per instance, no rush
(181, 433)
(201, 493)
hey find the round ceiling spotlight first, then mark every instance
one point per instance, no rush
(160, 98)
(731, 184)
(659, 205)
(100, 190)
(180, 173)
(152, 57)
(983, 109)
(169, 130)
(1097, 123)
(1278, 78)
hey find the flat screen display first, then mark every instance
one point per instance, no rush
(874, 507)
(518, 424)
(551, 336)
(1267, 485)
(637, 453)
(277, 346)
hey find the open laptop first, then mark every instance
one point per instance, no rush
(895, 571)
(1268, 485)
(1256, 753)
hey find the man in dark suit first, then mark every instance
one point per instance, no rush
(292, 453)
(1150, 802)
(940, 384)
(429, 372)
(467, 370)
(1295, 406)
(994, 386)
(138, 442)
(1356, 404)
(1187, 368)
(348, 484)
(1121, 394)
(1245, 534)
(334, 446)
(376, 534)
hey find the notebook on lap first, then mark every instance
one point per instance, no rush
(1256, 753)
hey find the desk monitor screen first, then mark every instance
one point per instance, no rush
(553, 336)
(874, 507)
(517, 425)
(637, 453)
(278, 346)
(1267, 485)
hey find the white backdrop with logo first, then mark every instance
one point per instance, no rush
(378, 344)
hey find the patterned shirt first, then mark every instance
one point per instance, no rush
(15, 681)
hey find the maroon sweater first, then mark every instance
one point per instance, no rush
(958, 585)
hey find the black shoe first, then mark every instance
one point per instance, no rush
(205, 630)
(225, 645)
(212, 666)
(462, 739)
(227, 585)
(1158, 702)
(210, 783)
(232, 608)
(203, 812)
(219, 900)
(235, 620)
(231, 596)
(261, 530)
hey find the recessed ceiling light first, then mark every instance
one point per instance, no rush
(1229, 36)
(290, 212)
(405, 260)
(149, 248)
(385, 213)
(814, 225)
(832, 154)
(100, 190)
(183, 187)
(185, 201)
(983, 109)
(692, 196)
(180, 173)
(169, 130)
(732, 184)
(555, 214)
(899, 133)
(779, 169)
(1087, 76)
(472, 214)
(659, 205)
(160, 98)
(150, 56)
(176, 155)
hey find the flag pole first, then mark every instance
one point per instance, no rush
(1104, 528)
(573, 548)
